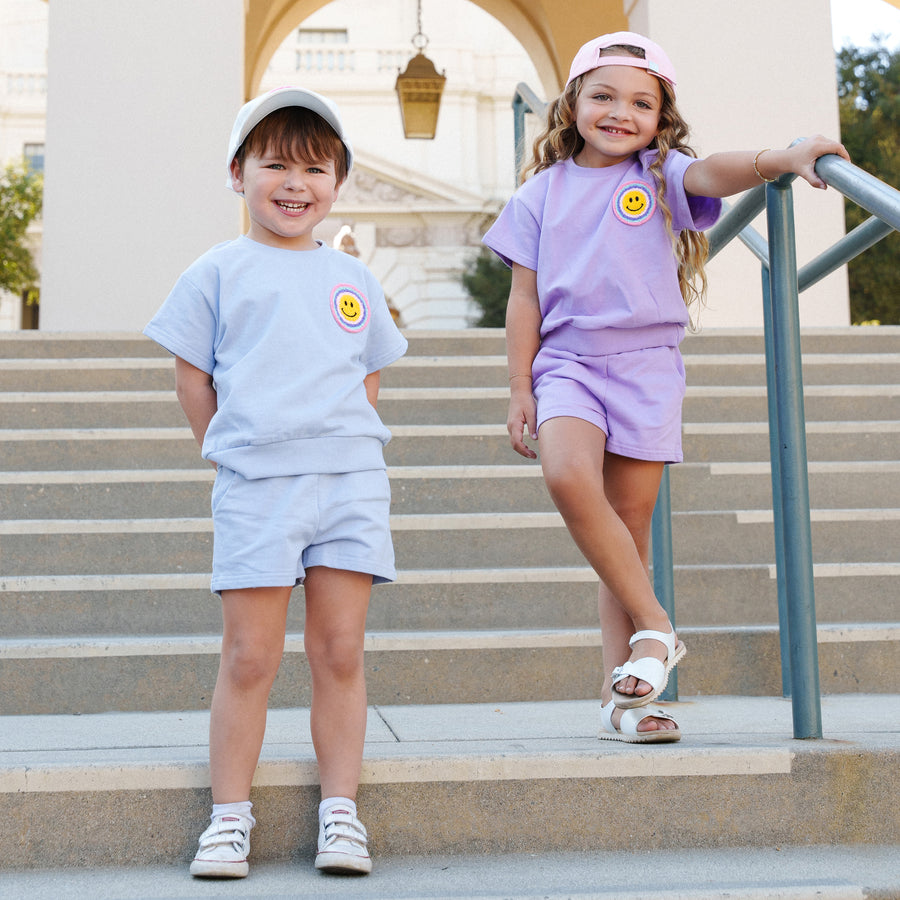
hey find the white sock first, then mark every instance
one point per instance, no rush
(234, 809)
(331, 802)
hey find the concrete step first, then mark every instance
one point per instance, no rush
(439, 406)
(832, 485)
(784, 872)
(467, 342)
(178, 493)
(87, 374)
(127, 673)
(439, 600)
(713, 369)
(59, 450)
(463, 541)
(881, 339)
(53, 449)
(99, 626)
(746, 442)
(737, 779)
(24, 345)
(817, 368)
(78, 345)
(157, 373)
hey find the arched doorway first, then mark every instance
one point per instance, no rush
(416, 209)
(549, 31)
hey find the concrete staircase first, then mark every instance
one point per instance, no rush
(482, 661)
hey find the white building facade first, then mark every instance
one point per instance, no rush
(23, 114)
(140, 99)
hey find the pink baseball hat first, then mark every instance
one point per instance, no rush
(656, 62)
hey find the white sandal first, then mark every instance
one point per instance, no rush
(648, 669)
(631, 718)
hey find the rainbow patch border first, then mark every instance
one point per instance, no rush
(339, 295)
(645, 213)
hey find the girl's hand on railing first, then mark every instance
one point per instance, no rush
(801, 157)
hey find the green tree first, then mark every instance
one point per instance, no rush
(487, 280)
(21, 196)
(869, 99)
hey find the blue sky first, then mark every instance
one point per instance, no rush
(855, 21)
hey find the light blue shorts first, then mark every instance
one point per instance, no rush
(268, 531)
(635, 398)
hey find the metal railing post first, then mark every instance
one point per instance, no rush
(520, 107)
(663, 570)
(524, 101)
(775, 464)
(797, 538)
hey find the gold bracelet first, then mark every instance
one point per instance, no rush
(756, 167)
(519, 376)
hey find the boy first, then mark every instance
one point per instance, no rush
(278, 342)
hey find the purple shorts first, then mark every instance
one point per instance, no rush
(634, 398)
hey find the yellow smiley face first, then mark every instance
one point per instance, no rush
(350, 308)
(634, 202)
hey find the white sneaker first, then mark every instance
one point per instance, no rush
(342, 844)
(223, 849)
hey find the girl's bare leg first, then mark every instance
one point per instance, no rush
(252, 647)
(631, 487)
(573, 456)
(336, 605)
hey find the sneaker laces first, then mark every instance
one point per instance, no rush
(339, 826)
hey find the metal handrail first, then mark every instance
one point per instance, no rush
(524, 101)
(782, 282)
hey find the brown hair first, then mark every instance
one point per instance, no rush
(297, 134)
(560, 140)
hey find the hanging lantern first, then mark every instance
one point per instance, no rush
(419, 89)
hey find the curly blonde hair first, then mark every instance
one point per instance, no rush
(560, 140)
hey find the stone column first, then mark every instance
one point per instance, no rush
(755, 75)
(141, 98)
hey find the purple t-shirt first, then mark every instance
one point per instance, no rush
(607, 275)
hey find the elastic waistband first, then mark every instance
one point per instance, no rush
(607, 341)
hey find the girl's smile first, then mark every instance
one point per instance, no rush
(617, 113)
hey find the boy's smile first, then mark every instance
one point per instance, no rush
(286, 199)
(617, 114)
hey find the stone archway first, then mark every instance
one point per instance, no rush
(134, 185)
(549, 30)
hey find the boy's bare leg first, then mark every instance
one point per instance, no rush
(336, 605)
(573, 455)
(252, 647)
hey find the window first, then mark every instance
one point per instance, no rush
(323, 50)
(34, 157)
(321, 35)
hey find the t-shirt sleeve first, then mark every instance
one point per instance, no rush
(386, 344)
(186, 325)
(515, 235)
(689, 213)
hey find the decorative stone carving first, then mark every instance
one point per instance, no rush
(366, 188)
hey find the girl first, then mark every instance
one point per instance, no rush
(606, 252)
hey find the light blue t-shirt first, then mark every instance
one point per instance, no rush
(607, 275)
(288, 337)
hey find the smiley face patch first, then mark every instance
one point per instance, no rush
(634, 203)
(350, 308)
